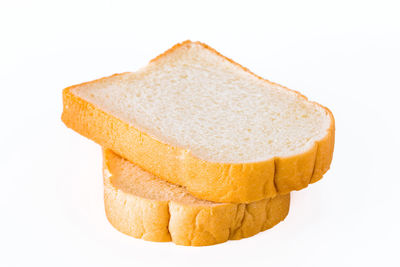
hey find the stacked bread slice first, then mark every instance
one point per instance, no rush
(197, 149)
(141, 205)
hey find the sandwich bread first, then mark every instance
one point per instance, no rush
(197, 119)
(143, 206)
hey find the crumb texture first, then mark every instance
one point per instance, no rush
(195, 99)
(135, 181)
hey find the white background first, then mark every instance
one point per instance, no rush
(343, 54)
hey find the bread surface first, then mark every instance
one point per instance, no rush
(143, 206)
(197, 119)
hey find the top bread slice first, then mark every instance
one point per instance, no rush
(197, 119)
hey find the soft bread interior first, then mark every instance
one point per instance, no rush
(135, 181)
(194, 98)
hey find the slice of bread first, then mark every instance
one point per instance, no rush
(197, 119)
(143, 206)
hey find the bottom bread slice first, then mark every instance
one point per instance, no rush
(142, 205)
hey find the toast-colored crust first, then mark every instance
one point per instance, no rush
(186, 224)
(220, 182)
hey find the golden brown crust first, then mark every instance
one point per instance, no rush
(220, 182)
(185, 224)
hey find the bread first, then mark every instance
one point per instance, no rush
(143, 206)
(197, 119)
